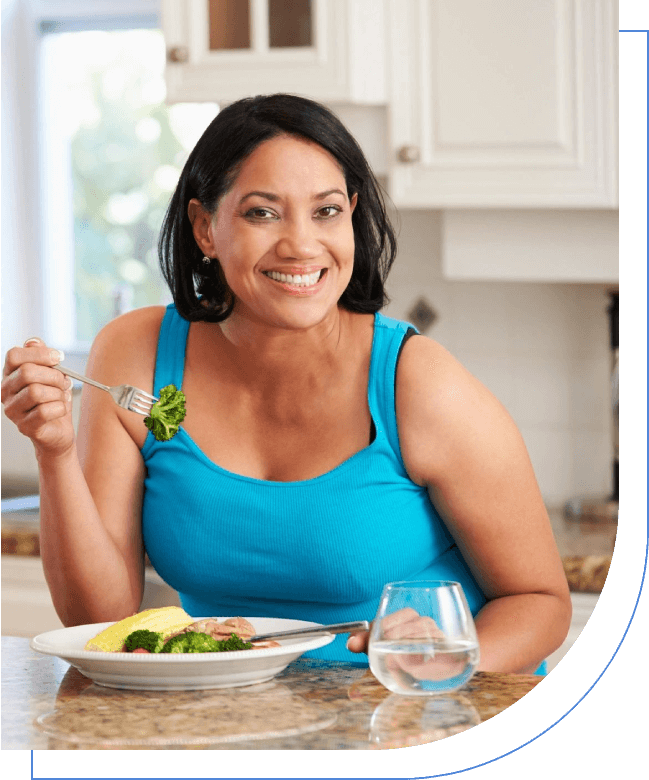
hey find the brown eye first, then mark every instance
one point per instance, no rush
(260, 214)
(327, 212)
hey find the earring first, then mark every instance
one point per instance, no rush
(207, 260)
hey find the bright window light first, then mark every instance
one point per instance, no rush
(111, 155)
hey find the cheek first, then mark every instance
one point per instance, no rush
(237, 253)
(350, 249)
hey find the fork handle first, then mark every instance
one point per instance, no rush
(333, 628)
(80, 377)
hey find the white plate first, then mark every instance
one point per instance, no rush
(178, 671)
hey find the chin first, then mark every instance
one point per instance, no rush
(302, 317)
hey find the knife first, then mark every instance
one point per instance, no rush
(333, 628)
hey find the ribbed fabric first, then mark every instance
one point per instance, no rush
(319, 549)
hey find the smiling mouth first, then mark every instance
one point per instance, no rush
(297, 280)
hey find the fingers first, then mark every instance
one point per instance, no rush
(33, 422)
(31, 383)
(34, 350)
(37, 397)
(422, 628)
(29, 365)
(357, 642)
(35, 394)
(409, 624)
(397, 618)
(403, 624)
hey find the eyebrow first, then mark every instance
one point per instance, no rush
(274, 198)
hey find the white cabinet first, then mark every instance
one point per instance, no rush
(490, 103)
(503, 103)
(502, 113)
(27, 608)
(531, 245)
(222, 50)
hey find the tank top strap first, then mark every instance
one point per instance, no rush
(389, 336)
(170, 357)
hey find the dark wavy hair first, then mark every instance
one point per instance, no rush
(200, 292)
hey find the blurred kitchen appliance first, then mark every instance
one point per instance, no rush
(606, 509)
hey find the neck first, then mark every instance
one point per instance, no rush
(267, 355)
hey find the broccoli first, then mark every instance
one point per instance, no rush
(145, 639)
(191, 642)
(196, 642)
(233, 642)
(167, 413)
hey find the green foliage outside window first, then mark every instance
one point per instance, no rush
(127, 148)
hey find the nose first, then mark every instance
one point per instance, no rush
(298, 240)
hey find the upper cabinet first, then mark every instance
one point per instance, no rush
(503, 103)
(222, 50)
(468, 103)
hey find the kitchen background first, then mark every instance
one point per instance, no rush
(492, 125)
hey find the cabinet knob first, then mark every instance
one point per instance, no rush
(408, 154)
(178, 54)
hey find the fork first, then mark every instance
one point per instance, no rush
(126, 396)
(332, 628)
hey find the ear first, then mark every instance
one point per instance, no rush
(201, 222)
(353, 202)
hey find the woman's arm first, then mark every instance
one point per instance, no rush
(103, 549)
(459, 442)
(527, 615)
(90, 489)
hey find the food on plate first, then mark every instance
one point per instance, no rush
(172, 630)
(166, 413)
(190, 642)
(231, 634)
(238, 625)
(196, 642)
(164, 620)
(144, 641)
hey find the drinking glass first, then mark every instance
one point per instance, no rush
(423, 639)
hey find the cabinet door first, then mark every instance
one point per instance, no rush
(222, 50)
(503, 103)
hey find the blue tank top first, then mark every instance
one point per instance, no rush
(319, 549)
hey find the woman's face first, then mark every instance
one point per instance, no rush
(283, 234)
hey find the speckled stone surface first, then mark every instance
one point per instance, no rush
(312, 705)
(586, 548)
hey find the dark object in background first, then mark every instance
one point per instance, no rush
(605, 510)
(422, 315)
(614, 315)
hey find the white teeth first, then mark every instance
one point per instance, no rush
(299, 280)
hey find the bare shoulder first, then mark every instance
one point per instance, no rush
(447, 419)
(124, 351)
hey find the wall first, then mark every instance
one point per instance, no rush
(542, 349)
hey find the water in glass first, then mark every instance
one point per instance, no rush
(423, 640)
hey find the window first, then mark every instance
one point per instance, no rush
(111, 152)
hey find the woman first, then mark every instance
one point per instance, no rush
(324, 452)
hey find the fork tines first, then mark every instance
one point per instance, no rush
(141, 402)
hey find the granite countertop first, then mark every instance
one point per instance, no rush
(586, 546)
(312, 705)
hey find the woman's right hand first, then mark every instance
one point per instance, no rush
(37, 397)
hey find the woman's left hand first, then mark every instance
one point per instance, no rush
(409, 624)
(403, 624)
